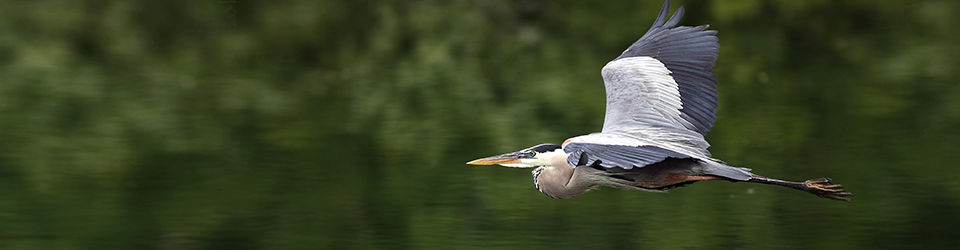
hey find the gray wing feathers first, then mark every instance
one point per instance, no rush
(610, 156)
(640, 93)
(718, 169)
(675, 19)
(661, 101)
(599, 151)
(689, 53)
(662, 17)
(622, 148)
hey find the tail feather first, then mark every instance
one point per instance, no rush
(722, 170)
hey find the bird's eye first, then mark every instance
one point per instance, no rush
(532, 154)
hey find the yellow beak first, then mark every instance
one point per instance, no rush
(510, 158)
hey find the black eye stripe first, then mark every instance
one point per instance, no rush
(543, 148)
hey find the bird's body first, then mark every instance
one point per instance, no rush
(661, 101)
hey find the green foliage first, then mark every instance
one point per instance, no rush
(345, 124)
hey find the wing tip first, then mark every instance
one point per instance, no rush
(675, 19)
(662, 17)
(663, 22)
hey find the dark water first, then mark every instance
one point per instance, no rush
(346, 125)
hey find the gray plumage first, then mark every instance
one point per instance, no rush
(660, 102)
(649, 118)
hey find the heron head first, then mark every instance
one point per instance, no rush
(539, 155)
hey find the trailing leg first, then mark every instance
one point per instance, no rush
(822, 187)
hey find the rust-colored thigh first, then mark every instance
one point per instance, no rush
(674, 178)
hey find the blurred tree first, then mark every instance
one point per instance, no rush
(345, 124)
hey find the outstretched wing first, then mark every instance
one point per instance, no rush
(661, 101)
(611, 150)
(664, 81)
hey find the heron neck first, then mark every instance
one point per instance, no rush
(559, 182)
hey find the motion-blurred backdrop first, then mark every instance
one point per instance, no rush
(346, 124)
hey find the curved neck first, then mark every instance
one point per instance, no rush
(561, 182)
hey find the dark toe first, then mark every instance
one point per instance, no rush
(824, 187)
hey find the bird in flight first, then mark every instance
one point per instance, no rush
(661, 101)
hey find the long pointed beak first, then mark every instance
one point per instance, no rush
(511, 158)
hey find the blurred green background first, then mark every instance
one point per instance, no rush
(346, 124)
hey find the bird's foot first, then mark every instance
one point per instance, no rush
(825, 188)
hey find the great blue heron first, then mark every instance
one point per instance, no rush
(661, 101)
